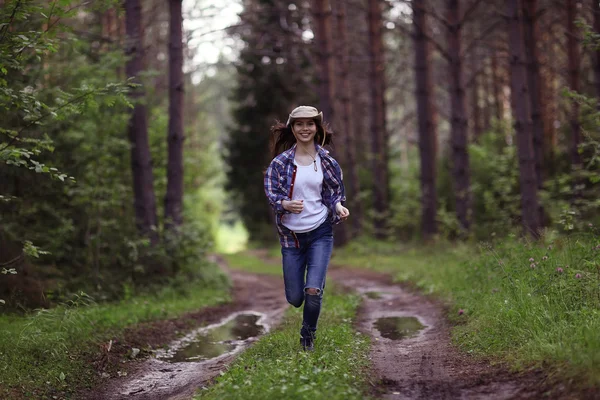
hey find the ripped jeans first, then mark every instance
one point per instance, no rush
(305, 268)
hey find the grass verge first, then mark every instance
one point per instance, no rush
(532, 304)
(255, 261)
(47, 353)
(275, 367)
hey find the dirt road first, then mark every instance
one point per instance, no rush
(424, 366)
(155, 379)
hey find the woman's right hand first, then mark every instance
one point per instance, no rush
(293, 206)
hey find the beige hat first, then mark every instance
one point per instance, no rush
(305, 112)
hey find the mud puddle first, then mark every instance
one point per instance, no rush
(398, 328)
(212, 341)
(189, 363)
(412, 355)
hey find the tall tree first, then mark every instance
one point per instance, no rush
(458, 129)
(345, 117)
(175, 137)
(141, 163)
(573, 66)
(530, 18)
(324, 40)
(596, 58)
(426, 115)
(521, 106)
(275, 73)
(379, 135)
(497, 85)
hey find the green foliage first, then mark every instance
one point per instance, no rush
(67, 113)
(495, 184)
(405, 186)
(276, 367)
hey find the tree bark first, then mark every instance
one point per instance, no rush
(378, 128)
(596, 10)
(486, 88)
(141, 163)
(535, 92)
(497, 87)
(175, 136)
(344, 117)
(323, 38)
(520, 103)
(458, 121)
(426, 115)
(475, 63)
(573, 62)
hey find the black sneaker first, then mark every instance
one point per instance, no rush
(308, 343)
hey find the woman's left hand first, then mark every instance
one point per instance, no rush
(342, 211)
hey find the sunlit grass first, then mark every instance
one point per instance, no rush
(231, 238)
(532, 304)
(276, 367)
(253, 262)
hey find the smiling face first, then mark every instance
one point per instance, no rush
(304, 130)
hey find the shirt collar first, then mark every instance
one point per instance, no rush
(291, 153)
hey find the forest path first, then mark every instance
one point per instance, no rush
(425, 366)
(155, 379)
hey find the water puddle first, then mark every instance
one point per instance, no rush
(215, 340)
(398, 328)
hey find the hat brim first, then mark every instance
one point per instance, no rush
(318, 117)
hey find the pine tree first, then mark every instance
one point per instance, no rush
(275, 74)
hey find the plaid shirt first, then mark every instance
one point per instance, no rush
(279, 185)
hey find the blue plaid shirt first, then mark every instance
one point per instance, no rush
(279, 185)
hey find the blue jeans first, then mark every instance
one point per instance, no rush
(304, 268)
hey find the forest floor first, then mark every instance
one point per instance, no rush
(424, 366)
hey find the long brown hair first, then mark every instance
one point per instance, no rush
(282, 137)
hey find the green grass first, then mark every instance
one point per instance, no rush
(276, 368)
(231, 238)
(47, 352)
(250, 261)
(530, 315)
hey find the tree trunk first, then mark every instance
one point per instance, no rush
(573, 55)
(475, 62)
(378, 128)
(497, 87)
(535, 92)
(347, 128)
(486, 88)
(550, 93)
(596, 10)
(141, 163)
(426, 115)
(323, 38)
(458, 121)
(522, 121)
(175, 137)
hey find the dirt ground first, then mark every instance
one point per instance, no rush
(426, 366)
(151, 379)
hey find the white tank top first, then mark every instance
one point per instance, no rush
(307, 187)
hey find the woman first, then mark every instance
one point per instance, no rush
(304, 186)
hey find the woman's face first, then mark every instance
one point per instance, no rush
(304, 130)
